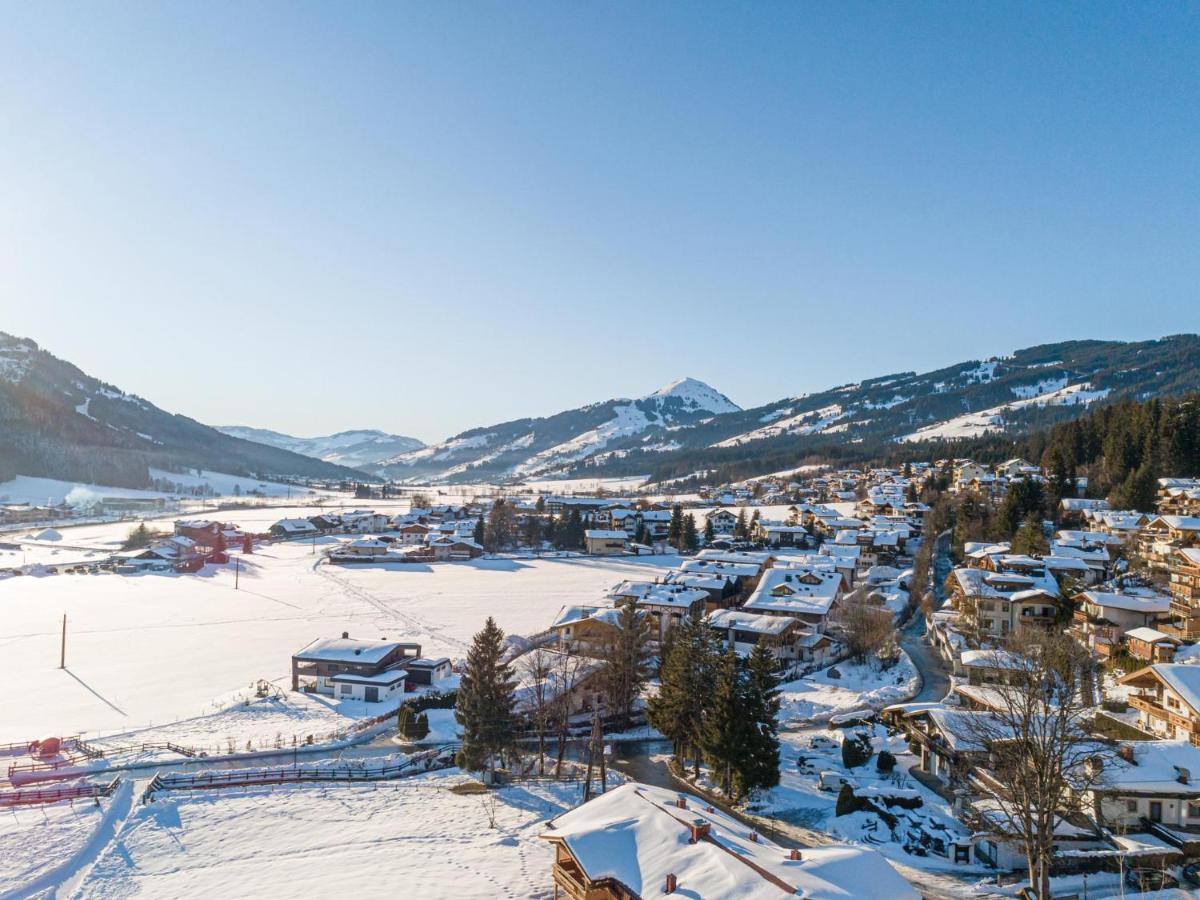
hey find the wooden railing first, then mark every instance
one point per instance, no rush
(43, 796)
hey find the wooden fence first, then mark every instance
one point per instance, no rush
(54, 795)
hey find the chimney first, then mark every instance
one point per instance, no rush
(699, 828)
(1184, 775)
(754, 837)
(794, 855)
(345, 635)
(1126, 753)
(672, 883)
(681, 801)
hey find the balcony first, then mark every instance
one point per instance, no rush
(1149, 704)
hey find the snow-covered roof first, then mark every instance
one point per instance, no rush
(795, 591)
(1157, 603)
(1156, 769)
(992, 659)
(383, 679)
(600, 534)
(1149, 635)
(1182, 679)
(746, 621)
(348, 650)
(636, 835)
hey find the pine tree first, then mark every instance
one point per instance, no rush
(641, 535)
(752, 529)
(690, 540)
(724, 735)
(677, 711)
(675, 529)
(247, 545)
(760, 768)
(1030, 539)
(485, 701)
(477, 532)
(626, 669)
(709, 534)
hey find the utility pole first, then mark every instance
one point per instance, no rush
(62, 658)
(237, 570)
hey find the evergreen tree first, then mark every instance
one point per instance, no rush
(247, 545)
(690, 540)
(724, 736)
(498, 533)
(626, 668)
(484, 705)
(641, 535)
(709, 534)
(752, 528)
(677, 711)
(739, 528)
(1030, 539)
(477, 534)
(533, 531)
(675, 529)
(575, 531)
(760, 767)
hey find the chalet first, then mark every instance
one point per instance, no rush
(784, 636)
(669, 842)
(1184, 570)
(669, 605)
(996, 604)
(805, 594)
(413, 534)
(589, 630)
(1151, 645)
(1072, 509)
(949, 739)
(585, 505)
(1164, 535)
(601, 542)
(721, 589)
(1150, 781)
(781, 534)
(1101, 619)
(445, 547)
(1178, 496)
(353, 669)
(722, 521)
(1167, 698)
(289, 529)
(989, 666)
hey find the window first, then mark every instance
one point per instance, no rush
(346, 689)
(1193, 810)
(1131, 806)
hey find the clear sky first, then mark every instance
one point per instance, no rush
(424, 217)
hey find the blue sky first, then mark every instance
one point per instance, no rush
(425, 217)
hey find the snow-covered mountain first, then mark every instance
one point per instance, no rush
(527, 447)
(57, 421)
(687, 426)
(359, 448)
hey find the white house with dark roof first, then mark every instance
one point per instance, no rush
(805, 594)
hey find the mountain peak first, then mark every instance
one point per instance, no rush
(696, 394)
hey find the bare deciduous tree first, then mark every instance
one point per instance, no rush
(866, 627)
(1041, 756)
(537, 669)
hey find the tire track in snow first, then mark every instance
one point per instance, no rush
(405, 619)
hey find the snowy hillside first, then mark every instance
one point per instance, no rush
(358, 448)
(529, 447)
(60, 422)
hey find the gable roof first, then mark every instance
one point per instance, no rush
(636, 836)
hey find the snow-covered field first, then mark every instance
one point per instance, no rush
(854, 687)
(413, 835)
(51, 491)
(150, 649)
